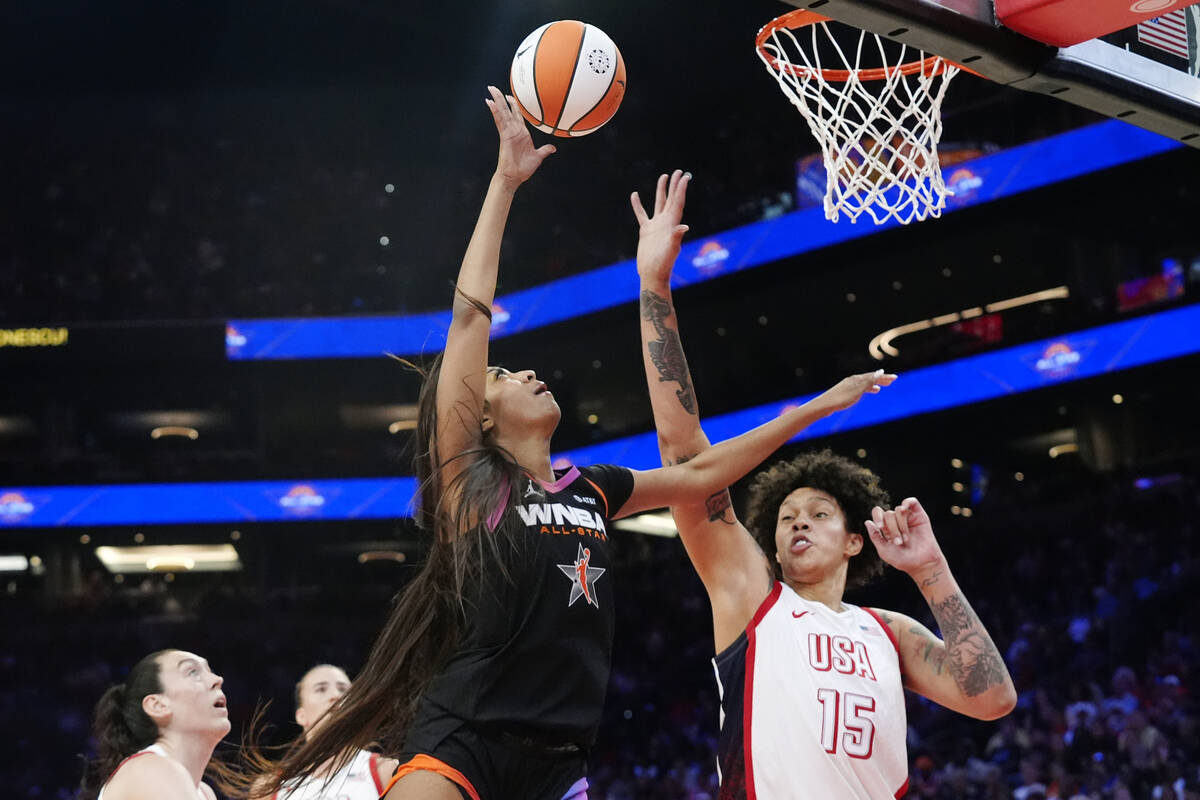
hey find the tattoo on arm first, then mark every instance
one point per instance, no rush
(972, 657)
(666, 352)
(930, 650)
(720, 507)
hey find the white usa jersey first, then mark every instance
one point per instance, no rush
(812, 705)
(358, 780)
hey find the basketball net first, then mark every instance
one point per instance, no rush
(878, 127)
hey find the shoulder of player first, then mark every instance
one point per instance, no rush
(902, 626)
(152, 776)
(385, 767)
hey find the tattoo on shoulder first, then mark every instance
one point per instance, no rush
(666, 352)
(973, 659)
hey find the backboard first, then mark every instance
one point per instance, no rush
(1145, 75)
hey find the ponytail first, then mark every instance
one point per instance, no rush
(121, 726)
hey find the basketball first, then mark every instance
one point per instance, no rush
(568, 78)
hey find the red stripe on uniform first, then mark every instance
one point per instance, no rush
(885, 627)
(748, 692)
(374, 762)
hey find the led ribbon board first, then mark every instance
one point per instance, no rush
(982, 180)
(178, 503)
(1013, 370)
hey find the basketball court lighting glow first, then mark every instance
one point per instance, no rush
(13, 563)
(881, 345)
(654, 523)
(1062, 449)
(382, 555)
(174, 557)
(176, 431)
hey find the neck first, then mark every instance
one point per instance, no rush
(827, 591)
(191, 751)
(533, 454)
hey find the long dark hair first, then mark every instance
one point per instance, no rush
(428, 615)
(121, 727)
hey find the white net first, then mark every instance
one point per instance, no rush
(878, 126)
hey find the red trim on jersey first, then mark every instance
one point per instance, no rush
(885, 627)
(374, 763)
(748, 692)
(903, 790)
(563, 482)
(126, 760)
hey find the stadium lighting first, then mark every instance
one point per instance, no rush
(655, 523)
(170, 558)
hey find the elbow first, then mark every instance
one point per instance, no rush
(999, 704)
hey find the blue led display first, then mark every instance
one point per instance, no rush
(981, 180)
(1074, 356)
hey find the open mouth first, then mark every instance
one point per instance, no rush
(541, 389)
(219, 702)
(800, 544)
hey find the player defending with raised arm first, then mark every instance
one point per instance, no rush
(812, 701)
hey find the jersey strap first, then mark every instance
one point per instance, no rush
(424, 763)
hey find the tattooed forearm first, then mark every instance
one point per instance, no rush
(932, 579)
(970, 654)
(666, 352)
(720, 507)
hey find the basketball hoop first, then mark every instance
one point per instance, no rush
(878, 127)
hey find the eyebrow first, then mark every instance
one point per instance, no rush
(183, 661)
(497, 371)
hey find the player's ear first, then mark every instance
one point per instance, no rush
(854, 545)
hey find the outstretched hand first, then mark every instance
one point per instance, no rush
(659, 236)
(904, 538)
(519, 159)
(849, 391)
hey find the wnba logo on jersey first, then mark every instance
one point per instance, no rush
(839, 654)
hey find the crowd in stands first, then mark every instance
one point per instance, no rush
(1087, 584)
(261, 205)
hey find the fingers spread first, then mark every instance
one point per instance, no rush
(639, 210)
(660, 193)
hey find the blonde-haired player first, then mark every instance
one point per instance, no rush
(363, 776)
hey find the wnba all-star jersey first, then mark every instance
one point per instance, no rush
(358, 780)
(537, 647)
(812, 705)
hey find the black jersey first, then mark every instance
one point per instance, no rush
(536, 649)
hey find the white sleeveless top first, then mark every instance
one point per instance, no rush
(812, 705)
(155, 749)
(358, 780)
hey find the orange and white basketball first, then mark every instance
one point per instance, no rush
(568, 78)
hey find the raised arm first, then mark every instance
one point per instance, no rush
(724, 463)
(460, 388)
(963, 670)
(733, 568)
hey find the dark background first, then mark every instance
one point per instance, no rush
(172, 164)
